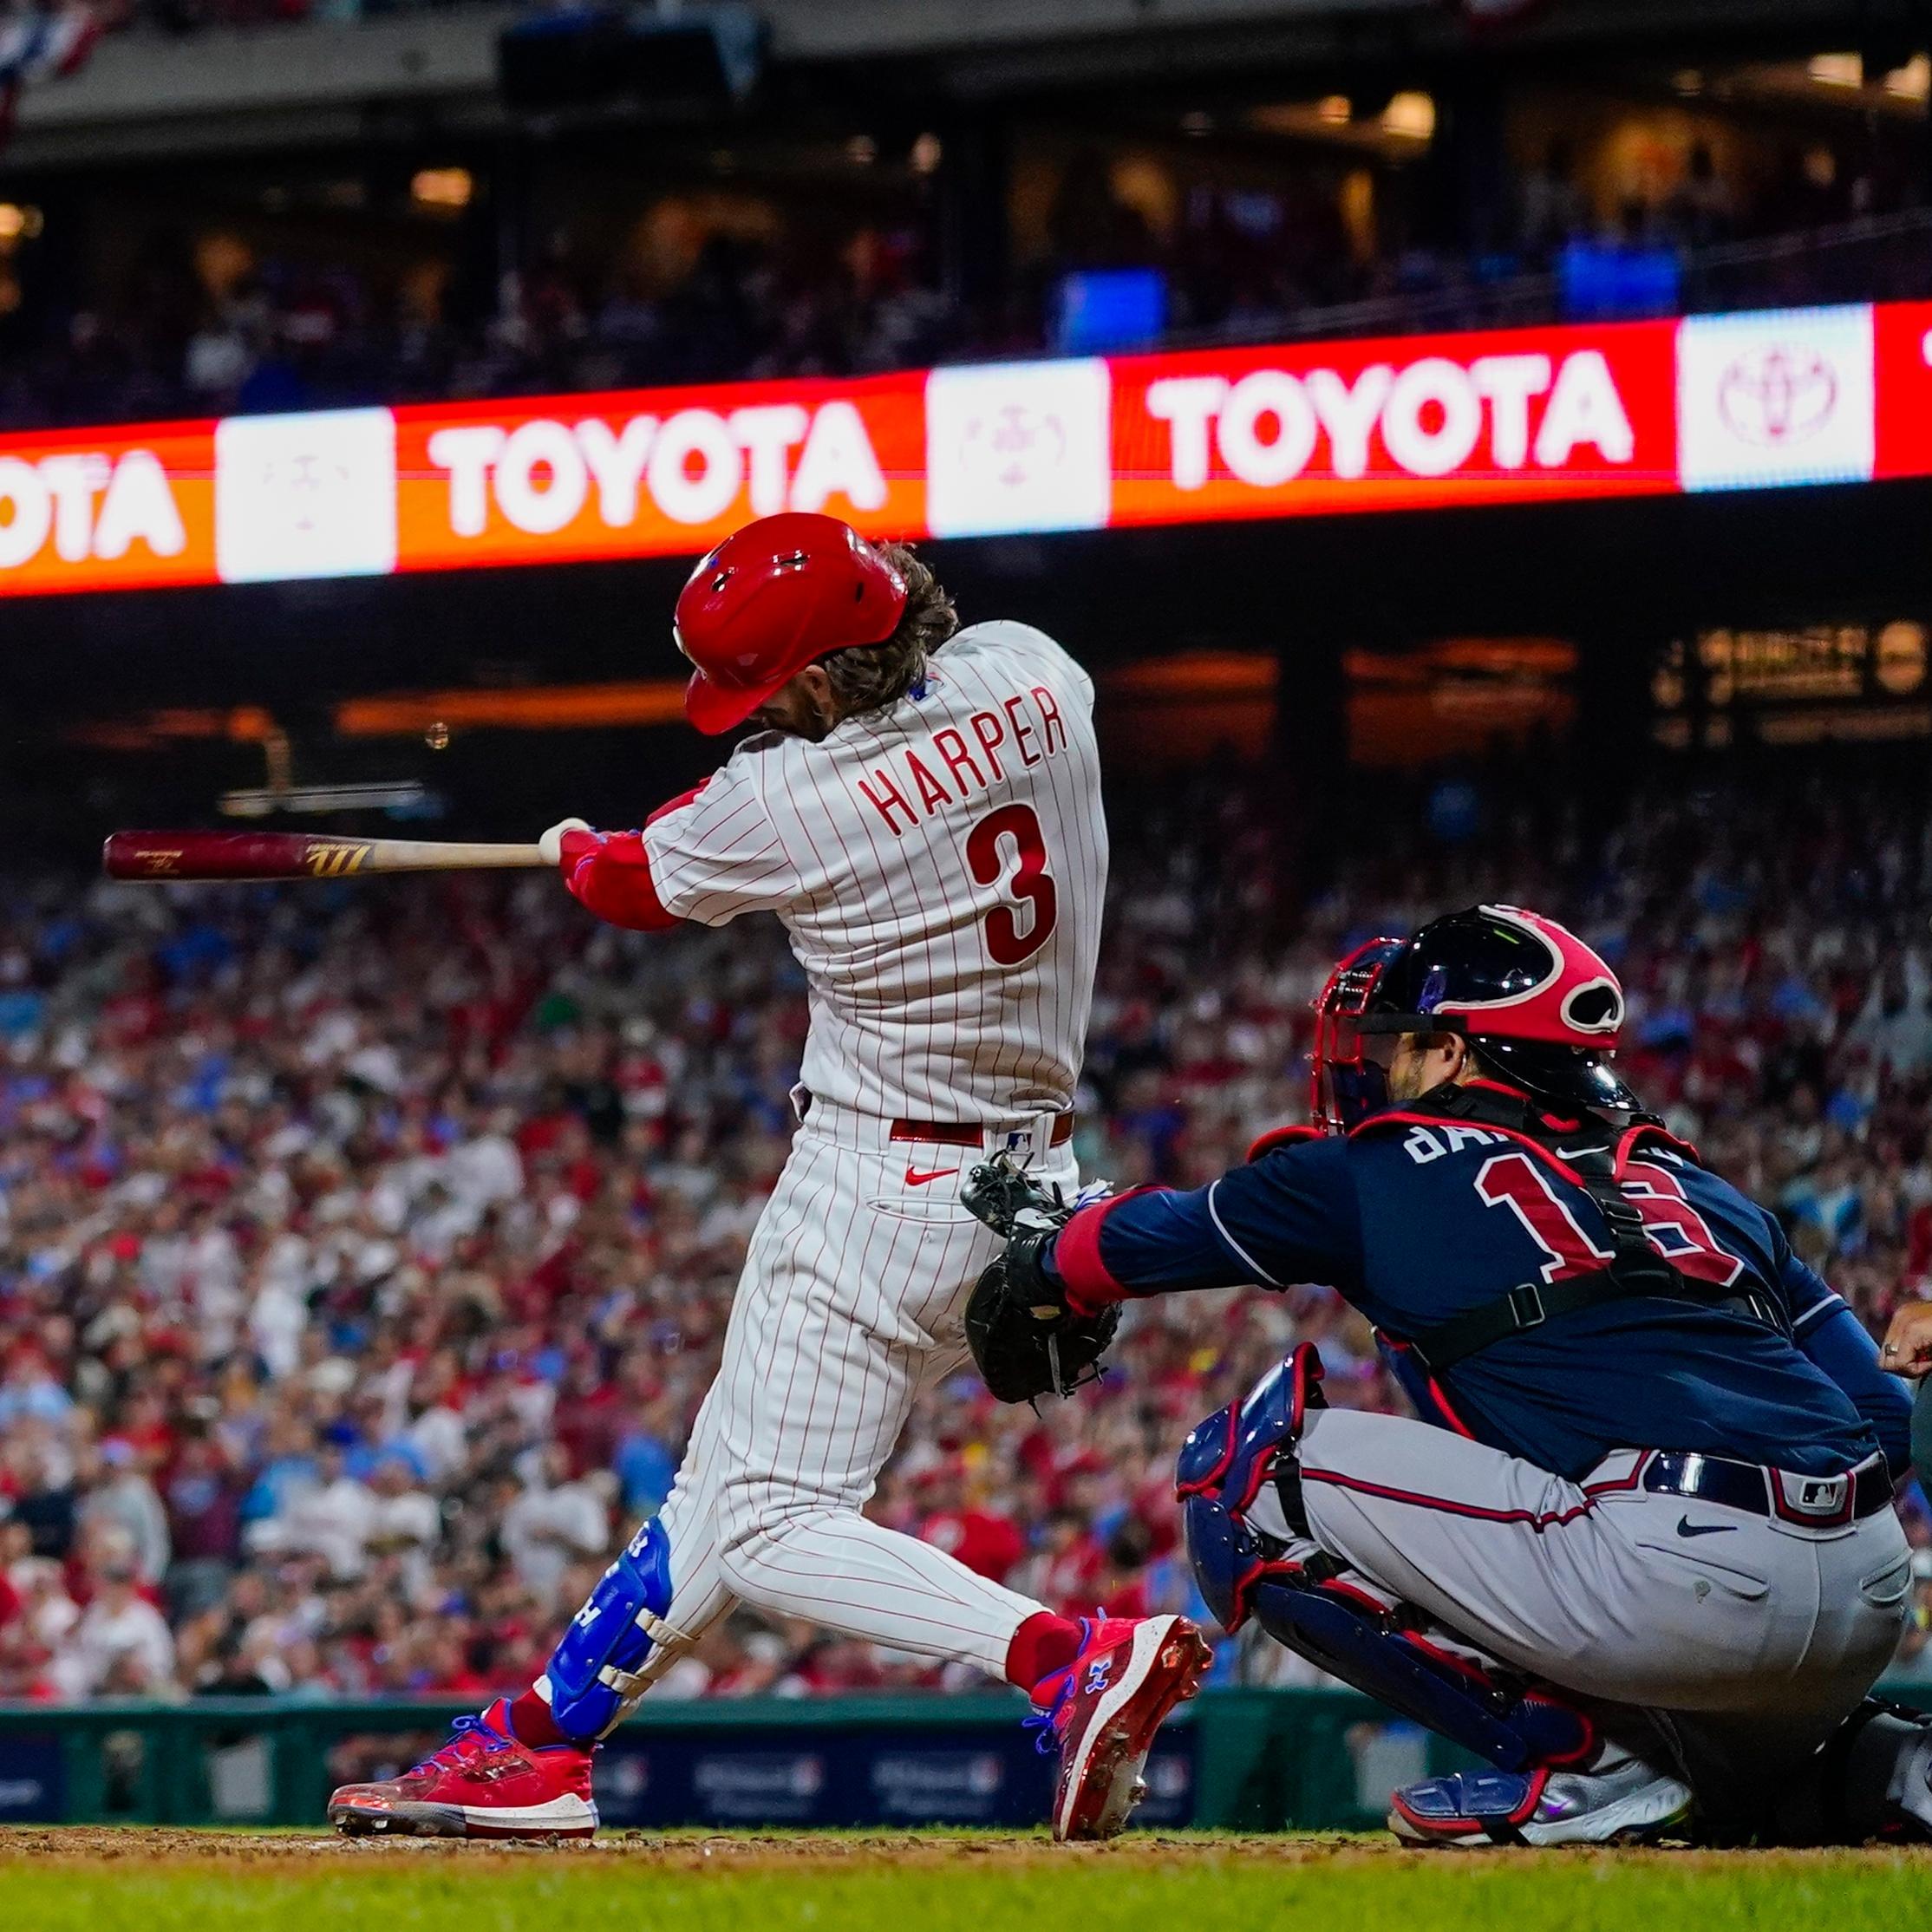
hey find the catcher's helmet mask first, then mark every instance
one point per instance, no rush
(1540, 1007)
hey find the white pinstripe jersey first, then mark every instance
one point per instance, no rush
(940, 867)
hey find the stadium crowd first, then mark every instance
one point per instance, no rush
(364, 1253)
(185, 327)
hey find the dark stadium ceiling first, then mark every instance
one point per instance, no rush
(391, 79)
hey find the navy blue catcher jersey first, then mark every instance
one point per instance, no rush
(1417, 1222)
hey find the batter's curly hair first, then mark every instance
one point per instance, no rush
(869, 677)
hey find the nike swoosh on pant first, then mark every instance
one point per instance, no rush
(1687, 1528)
(915, 1178)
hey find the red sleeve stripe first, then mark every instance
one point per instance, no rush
(612, 879)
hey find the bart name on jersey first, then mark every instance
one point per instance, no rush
(951, 765)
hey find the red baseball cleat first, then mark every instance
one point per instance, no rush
(483, 1783)
(1104, 1709)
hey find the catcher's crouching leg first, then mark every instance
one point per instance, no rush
(1871, 1778)
(618, 1642)
(1240, 1490)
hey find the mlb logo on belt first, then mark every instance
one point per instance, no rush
(1814, 1500)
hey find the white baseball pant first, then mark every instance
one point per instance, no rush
(851, 1303)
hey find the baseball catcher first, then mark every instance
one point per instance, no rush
(1636, 1550)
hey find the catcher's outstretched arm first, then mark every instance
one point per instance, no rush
(1287, 1218)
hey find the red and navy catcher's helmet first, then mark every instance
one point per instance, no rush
(1543, 1009)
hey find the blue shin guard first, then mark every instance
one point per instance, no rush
(596, 1671)
(1515, 1728)
(1303, 1599)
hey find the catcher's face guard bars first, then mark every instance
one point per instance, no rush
(1349, 1069)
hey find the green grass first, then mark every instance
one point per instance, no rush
(952, 1885)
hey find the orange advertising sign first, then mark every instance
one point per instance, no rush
(1754, 401)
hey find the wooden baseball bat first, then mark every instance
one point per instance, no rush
(161, 856)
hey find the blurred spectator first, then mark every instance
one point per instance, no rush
(556, 1520)
(119, 1494)
(120, 1646)
(1554, 211)
(204, 1515)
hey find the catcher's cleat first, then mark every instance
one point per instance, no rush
(1630, 1805)
(1103, 1710)
(483, 1783)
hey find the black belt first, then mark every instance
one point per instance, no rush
(1817, 1502)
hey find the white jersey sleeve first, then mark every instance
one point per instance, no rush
(718, 853)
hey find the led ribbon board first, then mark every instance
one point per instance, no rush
(1772, 398)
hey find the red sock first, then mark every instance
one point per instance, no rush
(531, 1722)
(1043, 1644)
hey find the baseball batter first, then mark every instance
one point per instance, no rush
(920, 807)
(1636, 1547)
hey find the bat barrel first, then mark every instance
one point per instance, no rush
(232, 855)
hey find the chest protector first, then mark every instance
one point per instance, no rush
(1595, 1158)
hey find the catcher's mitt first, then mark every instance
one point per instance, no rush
(1025, 1339)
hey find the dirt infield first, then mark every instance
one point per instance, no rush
(932, 1851)
(693, 1850)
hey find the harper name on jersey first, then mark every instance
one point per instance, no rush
(916, 780)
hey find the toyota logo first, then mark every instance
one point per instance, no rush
(1777, 395)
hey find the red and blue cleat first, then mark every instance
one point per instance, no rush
(1103, 1709)
(483, 1783)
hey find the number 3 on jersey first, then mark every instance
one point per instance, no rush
(991, 846)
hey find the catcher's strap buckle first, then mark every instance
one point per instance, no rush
(1526, 1306)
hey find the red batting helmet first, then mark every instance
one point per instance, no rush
(773, 598)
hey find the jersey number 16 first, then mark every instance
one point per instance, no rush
(1671, 1224)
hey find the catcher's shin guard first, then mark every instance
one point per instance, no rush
(1316, 1606)
(1340, 1626)
(1223, 1467)
(597, 1670)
